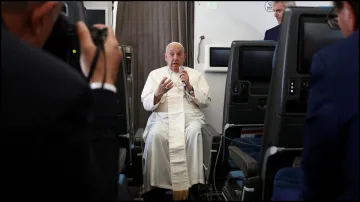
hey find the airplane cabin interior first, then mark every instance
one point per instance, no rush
(253, 140)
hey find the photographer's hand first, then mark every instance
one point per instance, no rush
(112, 52)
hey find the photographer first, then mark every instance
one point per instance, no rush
(56, 139)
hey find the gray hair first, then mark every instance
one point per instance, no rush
(286, 3)
(177, 43)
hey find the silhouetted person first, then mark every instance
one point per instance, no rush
(56, 134)
(330, 160)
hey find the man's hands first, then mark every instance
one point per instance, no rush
(112, 52)
(185, 78)
(165, 86)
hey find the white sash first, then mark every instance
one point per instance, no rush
(176, 137)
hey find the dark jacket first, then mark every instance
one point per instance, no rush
(272, 34)
(330, 166)
(56, 133)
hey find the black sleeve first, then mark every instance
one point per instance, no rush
(57, 140)
(104, 110)
(105, 143)
(94, 116)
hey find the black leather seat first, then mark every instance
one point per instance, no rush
(308, 32)
(124, 130)
(245, 101)
(304, 31)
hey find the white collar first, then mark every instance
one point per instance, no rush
(171, 72)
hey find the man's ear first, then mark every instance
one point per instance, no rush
(165, 56)
(349, 15)
(184, 55)
(39, 15)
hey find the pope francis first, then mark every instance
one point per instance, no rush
(173, 155)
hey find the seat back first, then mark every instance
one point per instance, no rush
(124, 95)
(127, 88)
(247, 84)
(248, 77)
(287, 185)
(134, 153)
(123, 87)
(303, 32)
(129, 69)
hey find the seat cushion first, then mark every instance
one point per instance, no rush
(122, 180)
(123, 190)
(233, 185)
(287, 185)
(236, 179)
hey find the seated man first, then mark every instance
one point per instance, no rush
(172, 135)
(330, 160)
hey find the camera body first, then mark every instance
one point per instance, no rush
(64, 42)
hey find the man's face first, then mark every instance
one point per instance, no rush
(175, 56)
(346, 19)
(279, 9)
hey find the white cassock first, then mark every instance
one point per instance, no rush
(173, 155)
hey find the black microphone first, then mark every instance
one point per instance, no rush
(181, 68)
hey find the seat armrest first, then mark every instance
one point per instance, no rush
(209, 130)
(139, 138)
(139, 133)
(211, 142)
(122, 158)
(246, 163)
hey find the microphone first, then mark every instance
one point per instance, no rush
(181, 68)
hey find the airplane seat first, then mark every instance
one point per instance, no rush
(211, 150)
(287, 185)
(303, 32)
(139, 147)
(122, 158)
(139, 135)
(211, 142)
(245, 102)
(248, 145)
(124, 129)
(131, 173)
(122, 178)
(122, 87)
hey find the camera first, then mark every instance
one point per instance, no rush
(63, 42)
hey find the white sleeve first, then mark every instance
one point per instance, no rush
(147, 95)
(107, 86)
